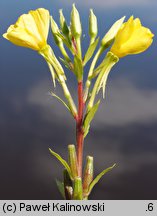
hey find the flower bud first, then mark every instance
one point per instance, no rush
(76, 28)
(55, 31)
(88, 175)
(77, 194)
(93, 27)
(73, 160)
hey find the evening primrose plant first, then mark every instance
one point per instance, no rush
(123, 38)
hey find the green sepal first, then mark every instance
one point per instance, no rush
(95, 181)
(78, 67)
(78, 194)
(111, 60)
(111, 34)
(60, 186)
(62, 161)
(90, 51)
(60, 99)
(88, 118)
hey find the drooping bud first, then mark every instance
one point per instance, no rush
(93, 26)
(76, 28)
(88, 175)
(73, 160)
(55, 31)
(63, 24)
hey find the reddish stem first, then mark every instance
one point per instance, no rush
(79, 131)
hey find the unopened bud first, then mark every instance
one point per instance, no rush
(77, 194)
(73, 160)
(76, 28)
(55, 31)
(93, 26)
(88, 175)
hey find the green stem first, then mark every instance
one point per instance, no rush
(64, 53)
(88, 82)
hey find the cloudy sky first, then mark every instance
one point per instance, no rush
(123, 131)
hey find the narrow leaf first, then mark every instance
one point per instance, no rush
(62, 161)
(90, 51)
(95, 181)
(67, 64)
(60, 99)
(63, 24)
(78, 67)
(60, 186)
(52, 73)
(88, 118)
(65, 40)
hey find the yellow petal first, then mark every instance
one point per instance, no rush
(30, 30)
(42, 19)
(22, 39)
(132, 38)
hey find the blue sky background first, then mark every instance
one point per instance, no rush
(123, 132)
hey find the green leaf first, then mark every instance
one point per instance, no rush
(78, 67)
(52, 73)
(65, 40)
(90, 51)
(95, 181)
(66, 64)
(63, 162)
(60, 99)
(88, 118)
(60, 186)
(63, 24)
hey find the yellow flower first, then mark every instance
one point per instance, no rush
(132, 38)
(30, 30)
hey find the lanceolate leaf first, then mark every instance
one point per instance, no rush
(60, 99)
(60, 186)
(88, 118)
(62, 161)
(65, 41)
(90, 51)
(95, 181)
(78, 67)
(66, 63)
(52, 73)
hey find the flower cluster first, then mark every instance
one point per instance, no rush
(123, 38)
